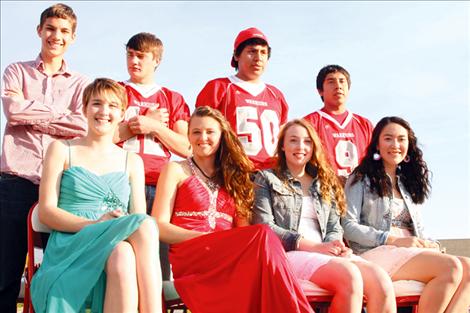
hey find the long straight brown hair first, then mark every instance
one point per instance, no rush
(233, 168)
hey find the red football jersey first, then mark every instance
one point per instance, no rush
(255, 112)
(345, 143)
(154, 154)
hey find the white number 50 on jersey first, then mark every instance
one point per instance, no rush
(133, 144)
(263, 130)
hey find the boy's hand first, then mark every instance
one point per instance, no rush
(160, 115)
(141, 124)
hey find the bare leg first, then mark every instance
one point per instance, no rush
(145, 243)
(121, 280)
(344, 279)
(461, 300)
(378, 288)
(442, 274)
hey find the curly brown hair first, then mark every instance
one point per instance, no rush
(331, 189)
(233, 168)
(414, 174)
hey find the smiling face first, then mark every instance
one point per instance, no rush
(393, 146)
(252, 62)
(141, 66)
(297, 146)
(103, 112)
(204, 136)
(335, 91)
(56, 35)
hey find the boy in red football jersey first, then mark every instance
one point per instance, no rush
(345, 135)
(255, 110)
(156, 120)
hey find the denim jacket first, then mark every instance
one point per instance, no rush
(368, 220)
(280, 207)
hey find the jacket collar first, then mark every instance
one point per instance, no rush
(291, 179)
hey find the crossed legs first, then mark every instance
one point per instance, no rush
(133, 273)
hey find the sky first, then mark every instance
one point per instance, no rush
(409, 59)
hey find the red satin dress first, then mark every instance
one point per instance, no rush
(237, 270)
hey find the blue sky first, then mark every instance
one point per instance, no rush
(409, 59)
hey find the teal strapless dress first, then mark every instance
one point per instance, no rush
(72, 275)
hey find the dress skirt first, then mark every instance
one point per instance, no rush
(244, 269)
(392, 258)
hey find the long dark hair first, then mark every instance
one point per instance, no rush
(414, 174)
(233, 168)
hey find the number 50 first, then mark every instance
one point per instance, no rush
(263, 130)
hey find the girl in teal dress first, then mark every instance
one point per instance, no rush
(103, 250)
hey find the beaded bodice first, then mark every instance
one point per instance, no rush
(90, 195)
(201, 208)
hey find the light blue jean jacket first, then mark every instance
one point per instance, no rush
(280, 207)
(368, 220)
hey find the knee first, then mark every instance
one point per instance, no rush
(454, 271)
(121, 263)
(148, 230)
(350, 281)
(382, 277)
(465, 263)
(379, 282)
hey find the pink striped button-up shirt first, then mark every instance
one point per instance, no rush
(51, 109)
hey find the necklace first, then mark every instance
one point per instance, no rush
(200, 170)
(209, 181)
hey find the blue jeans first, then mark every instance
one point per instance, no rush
(17, 195)
(164, 247)
(149, 197)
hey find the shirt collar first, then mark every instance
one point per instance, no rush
(39, 63)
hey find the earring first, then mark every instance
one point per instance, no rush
(376, 156)
(406, 159)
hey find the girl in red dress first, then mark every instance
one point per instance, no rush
(200, 205)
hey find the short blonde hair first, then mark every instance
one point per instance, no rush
(105, 86)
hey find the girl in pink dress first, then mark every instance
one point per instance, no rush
(200, 205)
